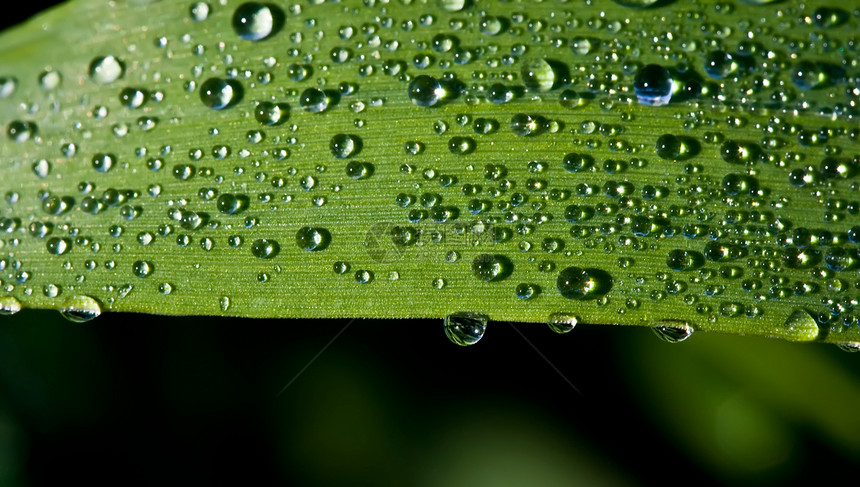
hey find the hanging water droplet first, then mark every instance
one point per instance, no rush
(850, 347)
(578, 283)
(465, 329)
(218, 93)
(673, 331)
(562, 322)
(9, 305)
(80, 309)
(800, 326)
(254, 21)
(312, 239)
(106, 69)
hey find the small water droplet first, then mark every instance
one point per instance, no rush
(142, 268)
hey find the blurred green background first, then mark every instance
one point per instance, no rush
(146, 399)
(143, 400)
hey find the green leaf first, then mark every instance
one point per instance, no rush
(348, 160)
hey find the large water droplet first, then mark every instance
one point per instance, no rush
(800, 326)
(653, 85)
(311, 239)
(314, 100)
(579, 283)
(673, 331)
(106, 69)
(492, 267)
(850, 347)
(539, 75)
(265, 248)
(142, 268)
(254, 21)
(465, 329)
(562, 322)
(80, 309)
(218, 93)
(425, 91)
(9, 305)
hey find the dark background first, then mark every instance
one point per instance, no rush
(142, 400)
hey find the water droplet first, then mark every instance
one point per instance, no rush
(800, 326)
(562, 322)
(142, 268)
(578, 283)
(254, 21)
(526, 290)
(199, 11)
(265, 248)
(465, 329)
(50, 79)
(58, 246)
(230, 204)
(314, 100)
(218, 93)
(672, 331)
(106, 69)
(850, 347)
(271, 114)
(425, 91)
(492, 267)
(20, 131)
(80, 309)
(719, 64)
(539, 75)
(343, 146)
(363, 276)
(653, 85)
(312, 239)
(133, 97)
(9, 305)
(340, 267)
(7, 86)
(224, 303)
(684, 260)
(638, 3)
(359, 170)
